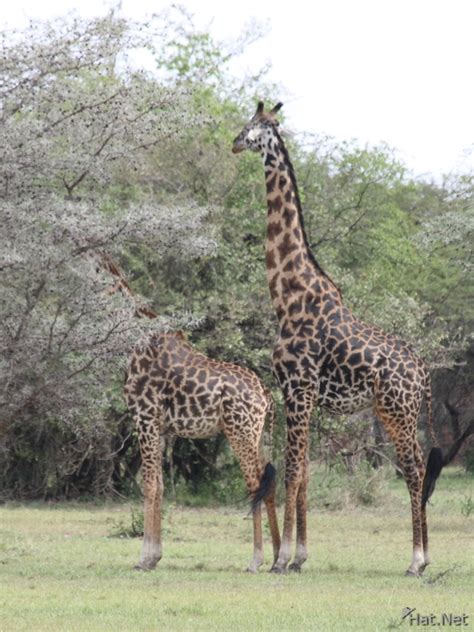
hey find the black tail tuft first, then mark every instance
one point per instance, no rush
(267, 482)
(433, 470)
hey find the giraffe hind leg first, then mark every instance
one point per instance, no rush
(410, 460)
(430, 474)
(266, 492)
(424, 525)
(270, 503)
(246, 448)
(413, 471)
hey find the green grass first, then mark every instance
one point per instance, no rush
(59, 569)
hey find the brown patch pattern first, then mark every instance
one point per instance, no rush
(325, 356)
(172, 389)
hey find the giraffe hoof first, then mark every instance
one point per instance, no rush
(295, 567)
(412, 573)
(278, 570)
(146, 566)
(251, 569)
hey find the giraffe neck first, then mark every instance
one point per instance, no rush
(293, 273)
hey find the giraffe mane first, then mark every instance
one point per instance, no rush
(300, 211)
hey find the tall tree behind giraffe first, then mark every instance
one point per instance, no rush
(325, 356)
(76, 133)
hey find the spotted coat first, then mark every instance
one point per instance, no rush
(171, 389)
(324, 355)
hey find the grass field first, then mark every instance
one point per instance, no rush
(60, 570)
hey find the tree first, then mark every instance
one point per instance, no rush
(97, 154)
(76, 128)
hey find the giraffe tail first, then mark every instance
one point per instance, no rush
(433, 470)
(429, 408)
(268, 479)
(267, 484)
(271, 413)
(436, 461)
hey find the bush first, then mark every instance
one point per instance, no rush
(226, 488)
(334, 488)
(469, 459)
(132, 529)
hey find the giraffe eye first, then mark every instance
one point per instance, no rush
(253, 134)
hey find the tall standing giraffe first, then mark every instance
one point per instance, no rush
(171, 389)
(325, 356)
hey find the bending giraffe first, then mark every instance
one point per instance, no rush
(171, 389)
(325, 356)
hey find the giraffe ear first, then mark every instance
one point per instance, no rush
(277, 107)
(286, 132)
(260, 108)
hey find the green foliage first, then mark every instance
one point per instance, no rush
(77, 135)
(226, 488)
(133, 527)
(469, 459)
(337, 489)
(399, 249)
(467, 506)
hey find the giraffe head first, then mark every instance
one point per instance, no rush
(258, 130)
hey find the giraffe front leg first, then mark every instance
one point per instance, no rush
(295, 479)
(284, 553)
(246, 448)
(301, 553)
(150, 448)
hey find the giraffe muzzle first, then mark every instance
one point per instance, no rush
(238, 146)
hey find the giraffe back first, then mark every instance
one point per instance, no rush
(190, 394)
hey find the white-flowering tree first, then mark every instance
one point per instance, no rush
(77, 124)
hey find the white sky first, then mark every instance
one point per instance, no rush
(399, 71)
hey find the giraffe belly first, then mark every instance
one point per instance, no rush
(343, 400)
(194, 427)
(342, 390)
